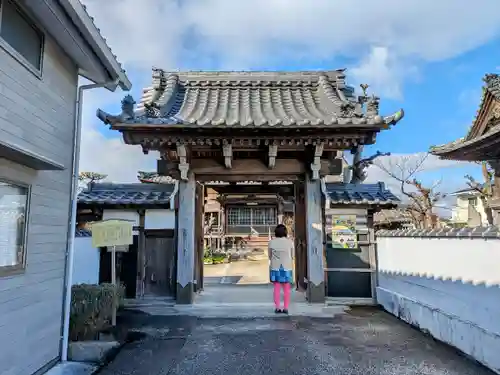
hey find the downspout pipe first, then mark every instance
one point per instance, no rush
(70, 246)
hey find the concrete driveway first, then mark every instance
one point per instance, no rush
(361, 341)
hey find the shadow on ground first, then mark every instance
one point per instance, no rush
(361, 342)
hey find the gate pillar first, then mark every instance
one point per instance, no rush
(315, 243)
(186, 243)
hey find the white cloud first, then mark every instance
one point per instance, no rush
(110, 156)
(113, 157)
(386, 40)
(248, 32)
(384, 72)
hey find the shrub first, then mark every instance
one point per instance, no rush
(218, 257)
(92, 308)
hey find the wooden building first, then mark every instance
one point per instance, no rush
(149, 264)
(482, 142)
(251, 126)
(241, 216)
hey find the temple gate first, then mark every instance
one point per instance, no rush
(250, 126)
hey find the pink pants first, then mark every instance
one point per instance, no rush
(286, 291)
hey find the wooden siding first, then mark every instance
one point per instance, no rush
(37, 115)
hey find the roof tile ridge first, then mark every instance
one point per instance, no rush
(152, 93)
(331, 92)
(166, 100)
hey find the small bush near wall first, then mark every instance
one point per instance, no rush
(91, 309)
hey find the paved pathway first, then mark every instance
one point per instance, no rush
(359, 342)
(242, 272)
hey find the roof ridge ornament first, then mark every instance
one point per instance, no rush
(394, 118)
(127, 113)
(359, 165)
(372, 106)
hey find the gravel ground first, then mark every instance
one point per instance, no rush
(363, 341)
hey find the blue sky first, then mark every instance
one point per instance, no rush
(436, 76)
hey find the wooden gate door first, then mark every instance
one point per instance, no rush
(199, 236)
(350, 272)
(161, 263)
(128, 269)
(300, 237)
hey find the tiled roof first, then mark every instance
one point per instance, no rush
(395, 215)
(367, 194)
(468, 190)
(83, 233)
(253, 99)
(468, 232)
(123, 194)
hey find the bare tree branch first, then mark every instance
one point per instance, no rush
(422, 199)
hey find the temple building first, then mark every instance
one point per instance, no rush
(482, 142)
(248, 150)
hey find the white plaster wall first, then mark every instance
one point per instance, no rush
(159, 219)
(448, 287)
(86, 262)
(131, 215)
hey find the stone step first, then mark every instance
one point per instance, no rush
(244, 310)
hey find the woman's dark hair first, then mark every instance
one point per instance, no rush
(280, 231)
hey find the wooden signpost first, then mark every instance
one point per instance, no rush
(112, 233)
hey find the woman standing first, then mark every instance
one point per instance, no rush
(281, 250)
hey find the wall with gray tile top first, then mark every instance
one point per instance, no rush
(480, 232)
(446, 283)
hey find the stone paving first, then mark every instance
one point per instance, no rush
(362, 341)
(233, 301)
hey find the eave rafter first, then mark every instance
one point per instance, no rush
(295, 142)
(227, 150)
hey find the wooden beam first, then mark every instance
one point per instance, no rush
(300, 237)
(246, 169)
(243, 177)
(250, 167)
(272, 154)
(316, 163)
(227, 150)
(183, 164)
